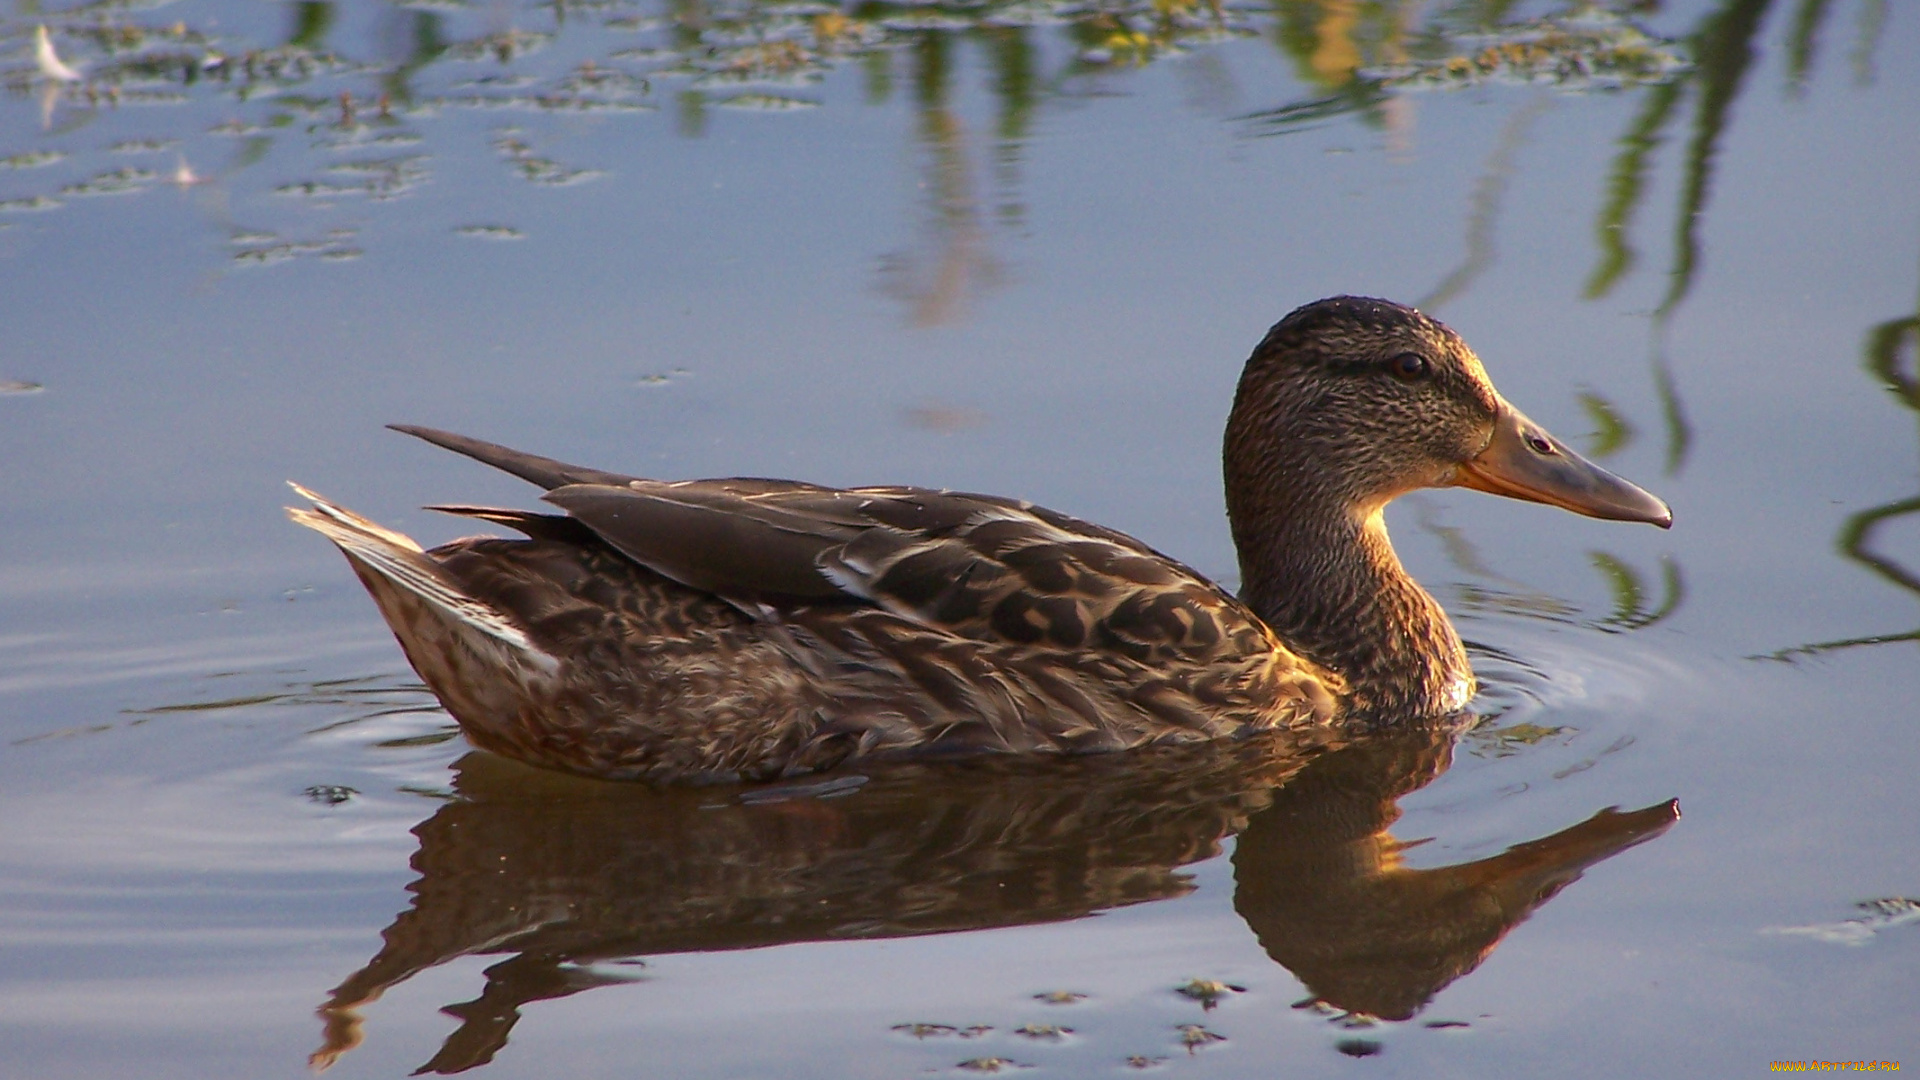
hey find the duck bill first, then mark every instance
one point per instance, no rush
(1524, 461)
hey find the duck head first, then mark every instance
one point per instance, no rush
(1347, 404)
(1359, 401)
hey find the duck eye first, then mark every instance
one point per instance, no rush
(1409, 366)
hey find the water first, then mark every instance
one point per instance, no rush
(1008, 249)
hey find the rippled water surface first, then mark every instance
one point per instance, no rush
(1006, 247)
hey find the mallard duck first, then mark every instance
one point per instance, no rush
(707, 630)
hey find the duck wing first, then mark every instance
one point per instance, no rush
(974, 566)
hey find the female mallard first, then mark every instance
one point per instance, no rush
(720, 629)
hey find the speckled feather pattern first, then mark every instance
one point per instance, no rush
(750, 628)
(1041, 641)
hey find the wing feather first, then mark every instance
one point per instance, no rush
(978, 567)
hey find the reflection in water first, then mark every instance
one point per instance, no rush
(1873, 19)
(316, 96)
(1366, 59)
(1887, 346)
(1633, 606)
(572, 880)
(1612, 432)
(1485, 204)
(363, 699)
(935, 287)
(419, 65)
(1723, 49)
(1321, 883)
(1370, 56)
(1672, 411)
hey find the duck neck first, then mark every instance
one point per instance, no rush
(1330, 585)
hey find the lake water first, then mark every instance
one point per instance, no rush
(1017, 247)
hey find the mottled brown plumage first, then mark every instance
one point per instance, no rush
(720, 629)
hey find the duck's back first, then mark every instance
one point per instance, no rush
(760, 628)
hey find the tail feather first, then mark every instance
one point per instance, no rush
(398, 560)
(545, 471)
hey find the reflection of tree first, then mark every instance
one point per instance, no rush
(1631, 608)
(1484, 204)
(1722, 48)
(1366, 56)
(697, 55)
(1887, 346)
(937, 287)
(1722, 51)
(1803, 40)
(1873, 19)
(572, 882)
(1633, 604)
(764, 54)
(951, 262)
(419, 37)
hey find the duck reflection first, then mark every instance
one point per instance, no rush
(1322, 885)
(558, 874)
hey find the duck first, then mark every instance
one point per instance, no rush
(747, 629)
